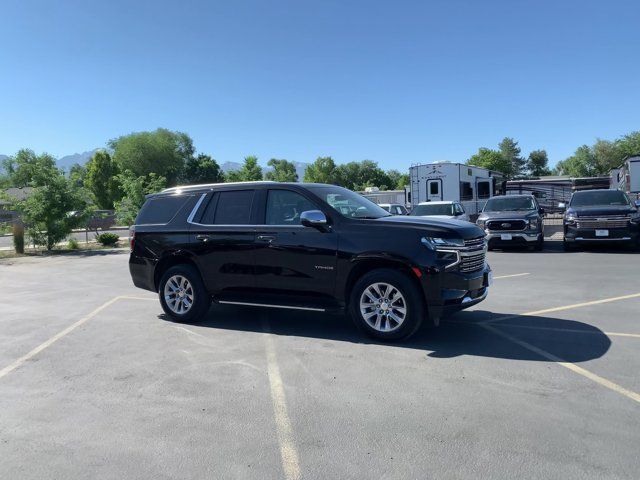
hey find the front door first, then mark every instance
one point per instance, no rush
(434, 190)
(293, 260)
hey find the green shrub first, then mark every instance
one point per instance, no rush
(107, 239)
(73, 244)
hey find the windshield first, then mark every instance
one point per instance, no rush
(437, 209)
(500, 204)
(348, 203)
(602, 197)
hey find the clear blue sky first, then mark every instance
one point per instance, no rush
(397, 81)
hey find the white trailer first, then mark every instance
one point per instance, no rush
(385, 196)
(627, 177)
(469, 185)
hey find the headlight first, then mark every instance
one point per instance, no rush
(481, 223)
(533, 222)
(570, 219)
(635, 217)
(433, 243)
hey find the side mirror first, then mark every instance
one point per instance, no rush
(541, 211)
(637, 203)
(562, 205)
(313, 218)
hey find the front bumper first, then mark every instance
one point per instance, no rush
(450, 292)
(520, 237)
(588, 235)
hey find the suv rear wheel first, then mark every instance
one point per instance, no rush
(386, 305)
(182, 294)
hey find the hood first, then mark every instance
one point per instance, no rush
(507, 214)
(438, 217)
(603, 210)
(434, 225)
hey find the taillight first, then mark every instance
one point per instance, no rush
(132, 237)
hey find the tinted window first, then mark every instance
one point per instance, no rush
(284, 207)
(601, 197)
(483, 190)
(458, 209)
(348, 203)
(234, 208)
(433, 209)
(434, 188)
(466, 192)
(161, 210)
(497, 204)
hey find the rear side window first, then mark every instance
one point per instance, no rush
(233, 208)
(161, 210)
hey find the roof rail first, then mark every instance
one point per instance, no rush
(190, 188)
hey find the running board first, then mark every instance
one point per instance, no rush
(287, 307)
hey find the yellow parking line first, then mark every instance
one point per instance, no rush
(288, 452)
(10, 368)
(571, 366)
(566, 307)
(511, 276)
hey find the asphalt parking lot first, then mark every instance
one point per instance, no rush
(538, 381)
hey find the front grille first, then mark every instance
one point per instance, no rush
(474, 242)
(614, 221)
(471, 263)
(504, 225)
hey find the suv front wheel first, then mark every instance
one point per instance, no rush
(182, 294)
(386, 304)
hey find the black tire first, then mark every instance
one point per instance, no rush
(413, 304)
(539, 244)
(201, 299)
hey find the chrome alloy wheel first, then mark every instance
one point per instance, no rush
(383, 307)
(178, 294)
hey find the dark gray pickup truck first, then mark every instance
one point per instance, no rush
(512, 220)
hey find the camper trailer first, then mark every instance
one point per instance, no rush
(469, 185)
(627, 177)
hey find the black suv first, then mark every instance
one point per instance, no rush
(513, 220)
(309, 247)
(595, 216)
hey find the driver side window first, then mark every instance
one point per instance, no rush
(284, 207)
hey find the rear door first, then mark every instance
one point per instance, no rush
(292, 259)
(434, 190)
(222, 236)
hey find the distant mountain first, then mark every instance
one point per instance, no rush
(228, 166)
(67, 161)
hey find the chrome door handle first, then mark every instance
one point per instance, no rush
(203, 238)
(266, 238)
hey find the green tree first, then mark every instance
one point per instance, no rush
(398, 180)
(581, 164)
(359, 175)
(492, 160)
(201, 169)
(134, 189)
(323, 170)
(629, 145)
(607, 155)
(249, 172)
(538, 163)
(102, 180)
(28, 169)
(78, 175)
(283, 171)
(511, 152)
(52, 210)
(162, 152)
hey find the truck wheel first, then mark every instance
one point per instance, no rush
(386, 305)
(182, 294)
(539, 244)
